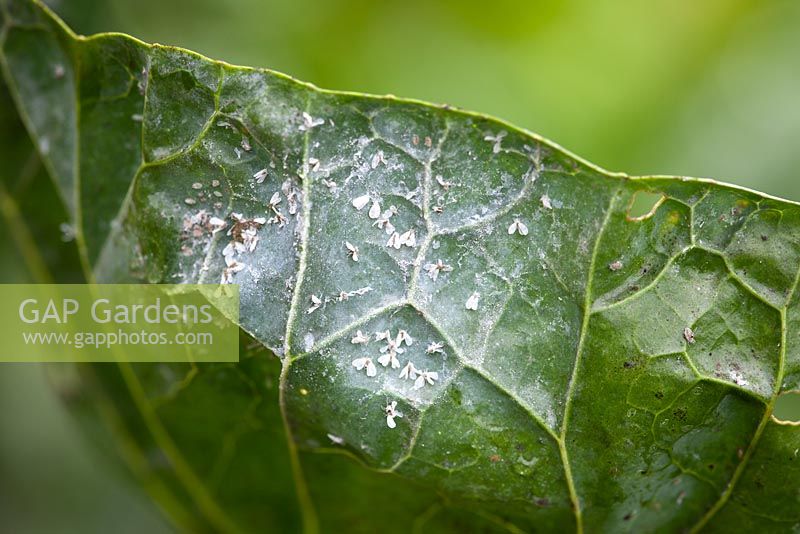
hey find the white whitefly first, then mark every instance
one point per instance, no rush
(375, 210)
(383, 221)
(381, 336)
(404, 337)
(278, 218)
(408, 238)
(434, 348)
(472, 301)
(518, 226)
(426, 377)
(394, 241)
(336, 440)
(228, 272)
(391, 414)
(392, 348)
(409, 372)
(352, 250)
(738, 378)
(216, 224)
(275, 199)
(245, 236)
(546, 202)
(292, 196)
(316, 302)
(688, 335)
(365, 363)
(229, 252)
(260, 176)
(496, 140)
(234, 266)
(389, 357)
(433, 269)
(250, 239)
(360, 202)
(310, 122)
(237, 248)
(314, 163)
(359, 338)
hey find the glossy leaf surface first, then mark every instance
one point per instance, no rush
(589, 351)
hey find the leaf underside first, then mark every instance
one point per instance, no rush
(618, 370)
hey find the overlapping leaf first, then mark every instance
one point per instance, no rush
(453, 300)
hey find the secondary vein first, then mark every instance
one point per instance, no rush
(587, 304)
(309, 515)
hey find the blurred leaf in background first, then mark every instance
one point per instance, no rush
(704, 89)
(53, 478)
(668, 86)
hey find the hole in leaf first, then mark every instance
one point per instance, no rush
(644, 205)
(787, 408)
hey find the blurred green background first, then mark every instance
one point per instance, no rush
(682, 87)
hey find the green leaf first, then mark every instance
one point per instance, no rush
(601, 364)
(34, 237)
